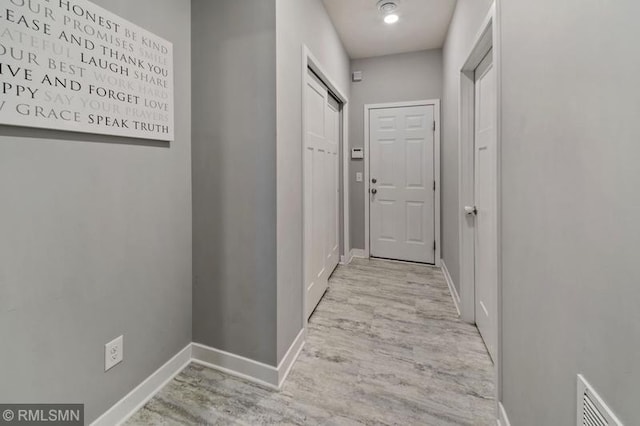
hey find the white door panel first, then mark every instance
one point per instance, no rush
(485, 176)
(332, 182)
(321, 234)
(402, 222)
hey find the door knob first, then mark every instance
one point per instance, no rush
(469, 210)
(374, 180)
(374, 191)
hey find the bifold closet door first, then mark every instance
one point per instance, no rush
(321, 202)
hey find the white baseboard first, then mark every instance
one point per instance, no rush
(146, 390)
(503, 420)
(452, 288)
(235, 365)
(350, 257)
(345, 260)
(359, 253)
(248, 369)
(284, 368)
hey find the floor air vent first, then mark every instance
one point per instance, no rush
(592, 411)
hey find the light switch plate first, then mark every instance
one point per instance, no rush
(113, 353)
(358, 177)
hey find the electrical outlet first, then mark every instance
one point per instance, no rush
(113, 353)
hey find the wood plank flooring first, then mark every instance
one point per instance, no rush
(385, 347)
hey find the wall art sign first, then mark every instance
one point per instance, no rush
(71, 65)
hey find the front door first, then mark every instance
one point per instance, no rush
(402, 194)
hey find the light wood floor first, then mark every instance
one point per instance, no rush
(384, 347)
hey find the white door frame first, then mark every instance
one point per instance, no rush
(488, 38)
(309, 61)
(436, 164)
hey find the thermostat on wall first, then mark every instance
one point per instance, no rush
(357, 153)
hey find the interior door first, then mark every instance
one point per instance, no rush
(321, 202)
(485, 193)
(333, 183)
(402, 188)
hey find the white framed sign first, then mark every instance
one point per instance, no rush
(71, 65)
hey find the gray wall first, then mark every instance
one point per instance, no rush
(393, 78)
(570, 207)
(298, 22)
(465, 25)
(96, 242)
(234, 176)
(248, 249)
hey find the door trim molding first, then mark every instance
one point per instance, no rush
(451, 285)
(309, 61)
(436, 169)
(487, 38)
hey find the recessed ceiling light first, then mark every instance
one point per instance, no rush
(391, 19)
(389, 10)
(387, 6)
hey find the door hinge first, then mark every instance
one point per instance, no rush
(434, 246)
(434, 185)
(434, 126)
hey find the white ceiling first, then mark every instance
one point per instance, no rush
(423, 25)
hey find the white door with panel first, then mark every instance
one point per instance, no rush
(485, 210)
(321, 193)
(402, 187)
